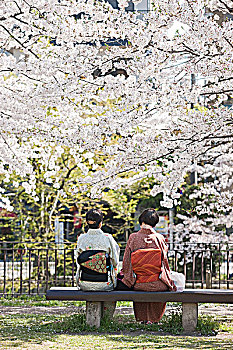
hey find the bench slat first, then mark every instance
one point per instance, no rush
(187, 296)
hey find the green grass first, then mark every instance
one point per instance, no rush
(64, 331)
(26, 300)
(171, 323)
(70, 332)
(40, 300)
(36, 300)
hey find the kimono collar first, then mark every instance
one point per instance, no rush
(149, 232)
(147, 227)
(95, 231)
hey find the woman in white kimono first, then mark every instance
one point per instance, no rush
(97, 256)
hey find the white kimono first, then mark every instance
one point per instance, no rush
(96, 239)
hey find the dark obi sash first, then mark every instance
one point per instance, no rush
(95, 265)
(146, 264)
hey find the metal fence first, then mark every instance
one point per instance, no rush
(32, 268)
(204, 265)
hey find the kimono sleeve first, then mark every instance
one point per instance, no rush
(77, 252)
(115, 251)
(127, 269)
(165, 270)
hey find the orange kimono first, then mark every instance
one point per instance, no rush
(145, 267)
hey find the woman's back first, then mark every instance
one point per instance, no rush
(144, 246)
(145, 266)
(97, 256)
(145, 238)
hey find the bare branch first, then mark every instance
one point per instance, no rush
(18, 41)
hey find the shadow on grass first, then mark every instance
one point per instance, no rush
(122, 332)
(151, 341)
(25, 328)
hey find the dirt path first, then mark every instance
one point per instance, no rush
(225, 311)
(38, 310)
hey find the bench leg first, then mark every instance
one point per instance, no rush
(108, 308)
(189, 316)
(93, 313)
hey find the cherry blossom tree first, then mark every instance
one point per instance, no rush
(45, 194)
(146, 92)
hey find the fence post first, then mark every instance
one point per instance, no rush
(64, 268)
(208, 279)
(47, 268)
(72, 267)
(13, 266)
(29, 272)
(228, 263)
(38, 271)
(21, 272)
(193, 271)
(4, 272)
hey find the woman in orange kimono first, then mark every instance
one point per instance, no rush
(145, 266)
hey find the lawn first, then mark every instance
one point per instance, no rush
(40, 329)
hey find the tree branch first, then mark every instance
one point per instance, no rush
(18, 41)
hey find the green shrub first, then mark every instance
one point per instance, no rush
(172, 322)
(207, 325)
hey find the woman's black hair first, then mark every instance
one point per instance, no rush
(94, 217)
(149, 217)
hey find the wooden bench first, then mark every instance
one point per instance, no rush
(100, 303)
